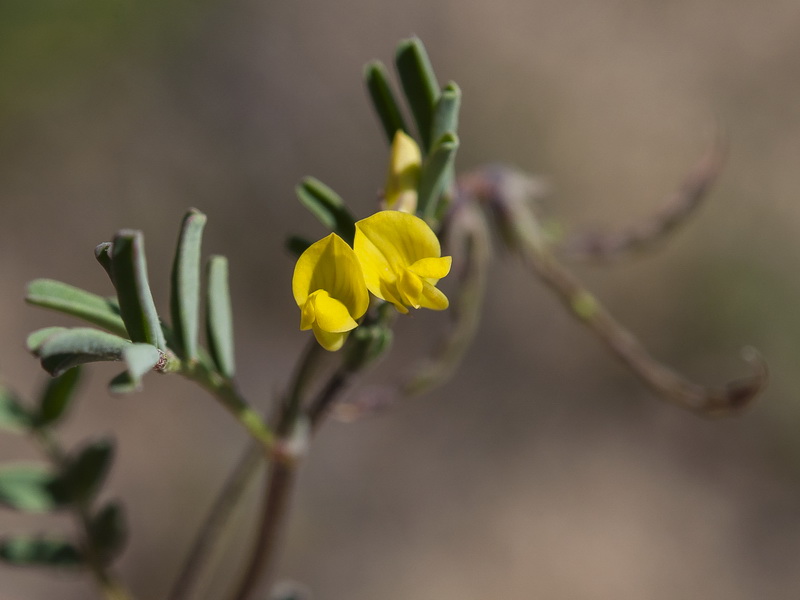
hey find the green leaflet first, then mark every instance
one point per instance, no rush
(219, 317)
(129, 275)
(435, 174)
(38, 551)
(108, 531)
(141, 359)
(328, 207)
(185, 291)
(85, 471)
(56, 397)
(419, 85)
(29, 488)
(63, 349)
(13, 415)
(380, 92)
(67, 299)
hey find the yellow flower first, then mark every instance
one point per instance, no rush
(328, 286)
(404, 167)
(401, 260)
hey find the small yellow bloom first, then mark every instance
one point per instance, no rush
(404, 168)
(401, 259)
(328, 286)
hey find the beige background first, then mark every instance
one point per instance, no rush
(544, 470)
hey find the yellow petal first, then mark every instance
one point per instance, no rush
(331, 315)
(388, 292)
(329, 341)
(410, 287)
(331, 265)
(307, 315)
(432, 297)
(388, 242)
(404, 169)
(432, 268)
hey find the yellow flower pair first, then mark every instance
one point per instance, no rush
(395, 255)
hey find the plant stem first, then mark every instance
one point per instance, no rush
(276, 504)
(280, 477)
(303, 376)
(225, 391)
(320, 406)
(218, 518)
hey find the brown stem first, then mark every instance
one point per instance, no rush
(218, 518)
(674, 212)
(321, 405)
(280, 478)
(280, 483)
(506, 193)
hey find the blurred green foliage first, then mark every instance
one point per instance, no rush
(49, 48)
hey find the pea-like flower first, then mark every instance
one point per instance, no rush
(405, 161)
(328, 286)
(401, 259)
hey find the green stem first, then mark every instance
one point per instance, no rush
(224, 390)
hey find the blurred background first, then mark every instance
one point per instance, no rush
(544, 469)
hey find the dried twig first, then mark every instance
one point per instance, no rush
(504, 191)
(676, 209)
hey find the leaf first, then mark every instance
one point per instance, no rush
(38, 337)
(380, 91)
(30, 488)
(69, 348)
(434, 177)
(140, 358)
(185, 293)
(297, 244)
(109, 531)
(328, 207)
(56, 397)
(419, 84)
(29, 551)
(219, 317)
(129, 274)
(445, 114)
(85, 471)
(13, 416)
(102, 252)
(67, 299)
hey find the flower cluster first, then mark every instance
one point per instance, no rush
(395, 255)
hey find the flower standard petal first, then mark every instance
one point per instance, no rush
(328, 286)
(400, 238)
